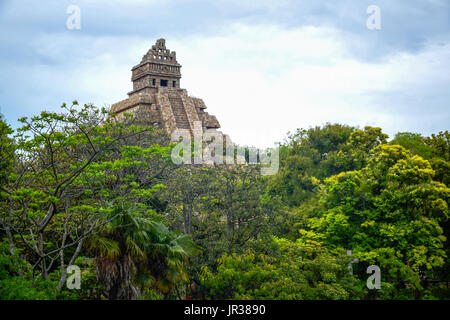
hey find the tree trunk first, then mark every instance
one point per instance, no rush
(187, 216)
(63, 268)
(41, 254)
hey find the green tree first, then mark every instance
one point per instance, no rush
(440, 144)
(414, 142)
(6, 150)
(71, 169)
(307, 157)
(388, 214)
(288, 270)
(135, 252)
(360, 144)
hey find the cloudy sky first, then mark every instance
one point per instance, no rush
(262, 67)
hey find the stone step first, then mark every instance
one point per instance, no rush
(179, 113)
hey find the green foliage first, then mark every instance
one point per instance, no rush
(312, 155)
(360, 144)
(79, 187)
(136, 251)
(6, 150)
(18, 283)
(19, 288)
(388, 214)
(414, 142)
(14, 285)
(307, 157)
(440, 144)
(291, 271)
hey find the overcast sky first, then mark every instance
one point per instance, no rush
(262, 67)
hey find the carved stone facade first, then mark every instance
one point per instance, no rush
(157, 99)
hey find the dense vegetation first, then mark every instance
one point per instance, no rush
(79, 188)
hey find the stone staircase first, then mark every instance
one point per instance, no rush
(178, 111)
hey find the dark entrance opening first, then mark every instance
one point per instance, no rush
(163, 83)
(174, 84)
(154, 82)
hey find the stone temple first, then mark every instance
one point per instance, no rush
(157, 98)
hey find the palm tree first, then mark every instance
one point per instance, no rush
(134, 252)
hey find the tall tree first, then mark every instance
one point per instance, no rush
(65, 165)
(388, 214)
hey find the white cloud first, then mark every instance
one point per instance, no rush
(260, 81)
